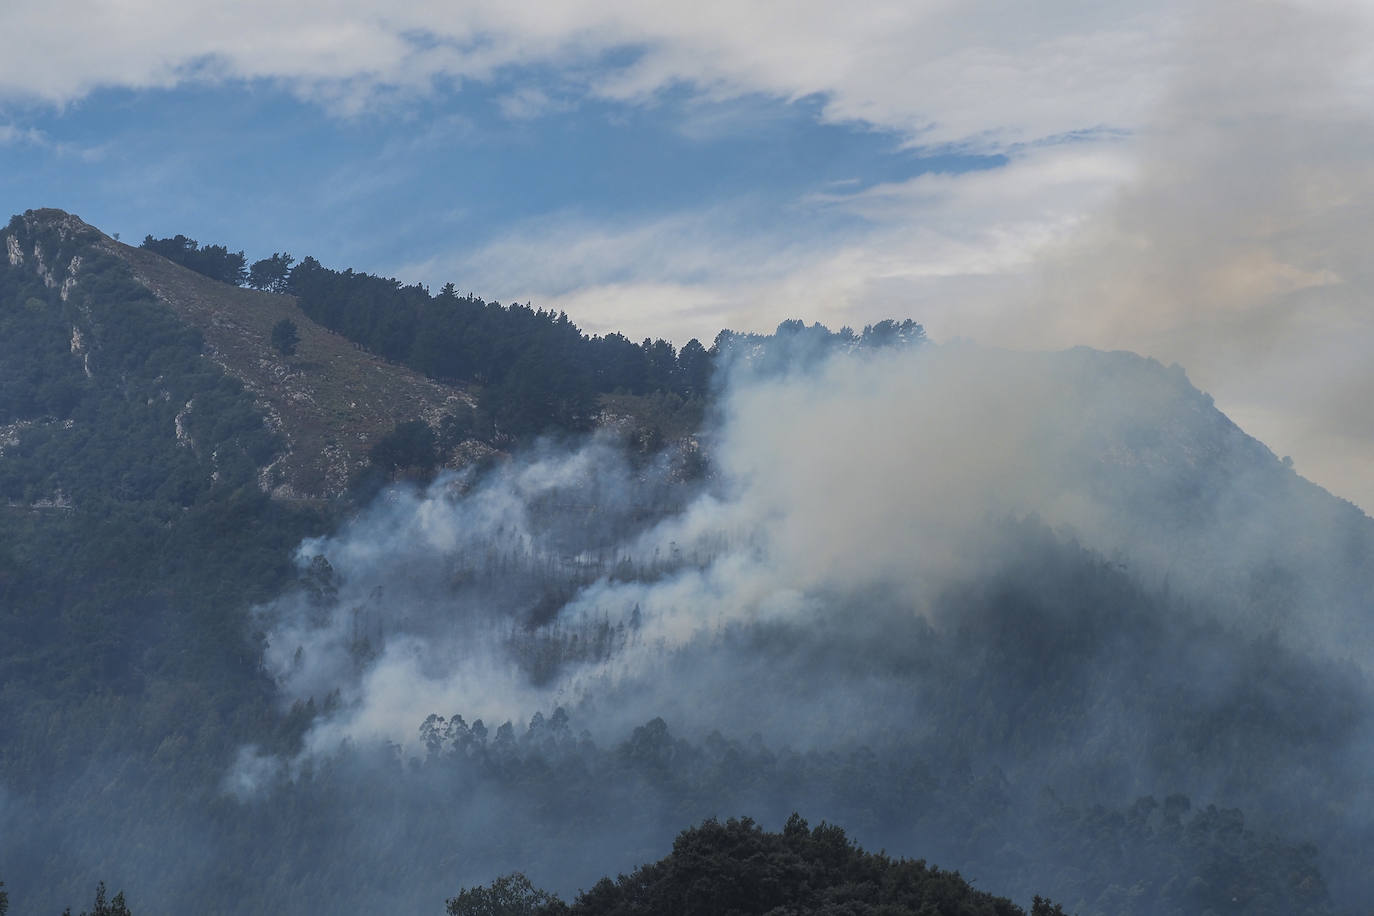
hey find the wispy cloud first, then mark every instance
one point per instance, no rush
(529, 102)
(12, 135)
(15, 135)
(838, 256)
(1224, 231)
(982, 73)
(1189, 180)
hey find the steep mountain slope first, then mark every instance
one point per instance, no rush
(1051, 619)
(1144, 467)
(329, 401)
(134, 536)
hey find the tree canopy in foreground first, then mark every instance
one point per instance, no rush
(737, 867)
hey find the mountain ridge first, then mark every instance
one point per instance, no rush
(330, 401)
(942, 581)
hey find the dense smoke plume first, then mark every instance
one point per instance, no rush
(1032, 572)
(1238, 247)
(845, 504)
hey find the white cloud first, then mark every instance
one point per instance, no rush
(529, 102)
(922, 247)
(14, 135)
(1226, 231)
(1233, 135)
(985, 73)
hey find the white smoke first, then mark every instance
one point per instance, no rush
(876, 474)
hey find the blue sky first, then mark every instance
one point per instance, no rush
(665, 169)
(255, 167)
(1187, 180)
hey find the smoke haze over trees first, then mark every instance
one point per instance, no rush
(980, 623)
(1048, 619)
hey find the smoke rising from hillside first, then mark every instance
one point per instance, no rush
(1023, 571)
(841, 499)
(1238, 249)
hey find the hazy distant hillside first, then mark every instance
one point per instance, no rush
(1050, 619)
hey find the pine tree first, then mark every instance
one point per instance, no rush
(285, 337)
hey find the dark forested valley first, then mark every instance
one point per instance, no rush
(596, 626)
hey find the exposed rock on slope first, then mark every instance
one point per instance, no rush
(330, 400)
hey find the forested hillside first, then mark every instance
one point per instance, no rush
(1049, 620)
(329, 401)
(134, 535)
(535, 371)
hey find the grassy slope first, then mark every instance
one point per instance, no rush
(330, 400)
